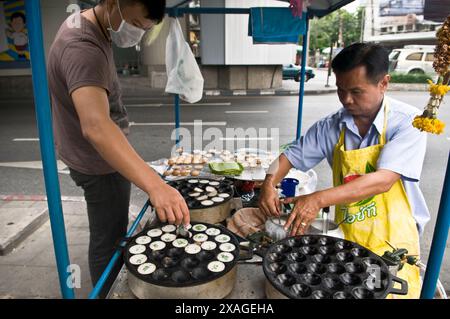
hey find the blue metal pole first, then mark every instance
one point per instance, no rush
(177, 118)
(177, 11)
(302, 79)
(44, 121)
(438, 244)
(101, 282)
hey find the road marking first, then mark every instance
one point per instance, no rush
(26, 140)
(181, 104)
(143, 105)
(33, 165)
(38, 198)
(181, 124)
(246, 112)
(246, 138)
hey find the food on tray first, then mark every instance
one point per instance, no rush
(155, 232)
(226, 168)
(199, 193)
(143, 240)
(176, 173)
(168, 238)
(157, 245)
(169, 228)
(207, 203)
(216, 266)
(225, 257)
(199, 228)
(194, 194)
(180, 243)
(146, 269)
(227, 247)
(222, 238)
(138, 259)
(192, 249)
(200, 238)
(209, 245)
(137, 249)
(213, 231)
(195, 173)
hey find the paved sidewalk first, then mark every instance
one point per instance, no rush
(29, 270)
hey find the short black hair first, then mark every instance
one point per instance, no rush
(373, 56)
(156, 8)
(18, 14)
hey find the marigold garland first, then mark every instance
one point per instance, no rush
(428, 121)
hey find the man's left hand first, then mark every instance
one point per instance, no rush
(305, 210)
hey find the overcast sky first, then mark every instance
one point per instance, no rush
(351, 7)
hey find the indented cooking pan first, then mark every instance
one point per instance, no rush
(209, 200)
(162, 265)
(324, 267)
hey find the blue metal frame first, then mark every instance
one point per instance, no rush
(177, 119)
(302, 80)
(44, 121)
(101, 282)
(439, 242)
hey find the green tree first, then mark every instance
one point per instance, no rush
(325, 31)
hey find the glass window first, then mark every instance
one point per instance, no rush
(415, 56)
(394, 55)
(429, 57)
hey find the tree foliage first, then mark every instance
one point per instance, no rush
(325, 31)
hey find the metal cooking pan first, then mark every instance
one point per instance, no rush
(200, 286)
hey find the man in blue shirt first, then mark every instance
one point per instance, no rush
(376, 156)
(361, 90)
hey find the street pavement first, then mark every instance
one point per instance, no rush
(29, 270)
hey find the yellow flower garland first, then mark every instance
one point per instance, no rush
(438, 89)
(429, 125)
(428, 122)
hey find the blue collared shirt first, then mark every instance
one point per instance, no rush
(403, 153)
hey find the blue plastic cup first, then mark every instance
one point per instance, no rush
(288, 186)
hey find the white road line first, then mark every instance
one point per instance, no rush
(181, 104)
(246, 112)
(246, 138)
(32, 165)
(182, 124)
(26, 140)
(143, 105)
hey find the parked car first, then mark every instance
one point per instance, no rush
(412, 59)
(293, 72)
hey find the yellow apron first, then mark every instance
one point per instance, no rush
(384, 217)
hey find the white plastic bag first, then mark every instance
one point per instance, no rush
(183, 74)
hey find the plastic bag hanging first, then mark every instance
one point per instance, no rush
(183, 73)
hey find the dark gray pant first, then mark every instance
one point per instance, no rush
(108, 200)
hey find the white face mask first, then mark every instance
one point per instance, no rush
(127, 35)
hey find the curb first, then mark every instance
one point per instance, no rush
(17, 238)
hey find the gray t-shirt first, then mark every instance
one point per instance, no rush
(81, 57)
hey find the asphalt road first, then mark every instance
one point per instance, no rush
(151, 137)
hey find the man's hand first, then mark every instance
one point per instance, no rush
(169, 204)
(269, 203)
(305, 211)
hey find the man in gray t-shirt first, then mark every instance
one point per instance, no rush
(91, 122)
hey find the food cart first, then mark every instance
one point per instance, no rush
(44, 120)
